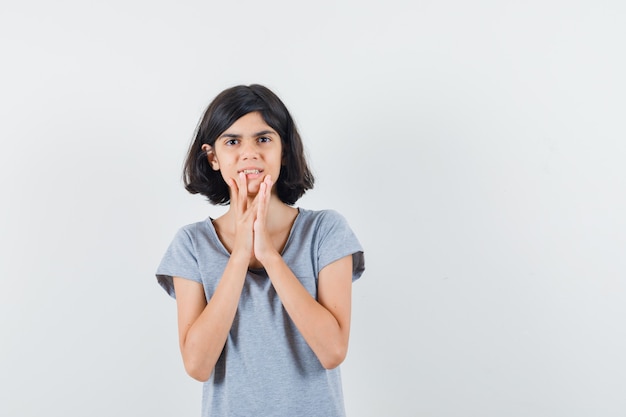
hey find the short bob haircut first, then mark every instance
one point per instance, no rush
(295, 176)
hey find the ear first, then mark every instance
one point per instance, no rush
(212, 158)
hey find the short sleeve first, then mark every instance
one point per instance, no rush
(180, 260)
(337, 240)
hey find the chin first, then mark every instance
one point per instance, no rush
(253, 190)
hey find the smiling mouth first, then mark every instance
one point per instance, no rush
(251, 171)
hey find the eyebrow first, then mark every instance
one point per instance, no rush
(236, 135)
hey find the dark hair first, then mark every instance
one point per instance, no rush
(295, 176)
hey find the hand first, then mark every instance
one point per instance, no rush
(245, 213)
(263, 245)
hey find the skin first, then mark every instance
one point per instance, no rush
(254, 230)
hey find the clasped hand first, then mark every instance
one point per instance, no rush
(251, 234)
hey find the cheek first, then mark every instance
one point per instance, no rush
(222, 162)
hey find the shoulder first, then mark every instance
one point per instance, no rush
(333, 238)
(321, 216)
(192, 236)
(325, 223)
(191, 230)
(182, 257)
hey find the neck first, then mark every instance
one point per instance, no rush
(279, 214)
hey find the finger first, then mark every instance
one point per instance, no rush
(268, 180)
(238, 194)
(263, 201)
(267, 192)
(242, 183)
(234, 194)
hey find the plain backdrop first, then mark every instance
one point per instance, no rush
(477, 149)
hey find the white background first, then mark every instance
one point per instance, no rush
(476, 148)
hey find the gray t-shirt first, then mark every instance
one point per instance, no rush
(266, 367)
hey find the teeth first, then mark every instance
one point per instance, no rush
(251, 171)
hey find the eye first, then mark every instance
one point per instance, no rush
(264, 139)
(231, 142)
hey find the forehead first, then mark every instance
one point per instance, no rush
(250, 123)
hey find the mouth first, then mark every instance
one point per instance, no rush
(251, 171)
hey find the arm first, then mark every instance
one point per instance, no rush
(203, 327)
(324, 323)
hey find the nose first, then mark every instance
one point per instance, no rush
(249, 149)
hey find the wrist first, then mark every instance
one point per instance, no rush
(270, 259)
(239, 257)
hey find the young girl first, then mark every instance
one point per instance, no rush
(263, 292)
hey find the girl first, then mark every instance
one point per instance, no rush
(263, 292)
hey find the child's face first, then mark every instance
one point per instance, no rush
(249, 145)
